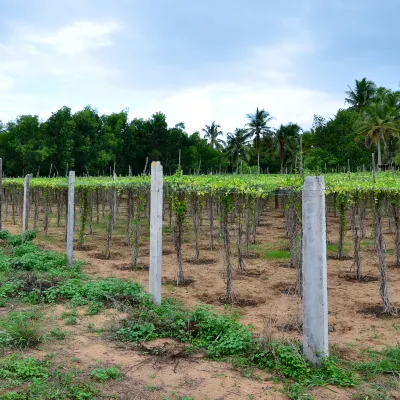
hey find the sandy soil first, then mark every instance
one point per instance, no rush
(277, 314)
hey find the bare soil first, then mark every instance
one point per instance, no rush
(266, 299)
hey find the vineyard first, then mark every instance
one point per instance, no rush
(226, 206)
(229, 241)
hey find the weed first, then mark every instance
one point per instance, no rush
(105, 374)
(58, 334)
(151, 388)
(276, 255)
(384, 362)
(71, 320)
(35, 379)
(70, 317)
(20, 329)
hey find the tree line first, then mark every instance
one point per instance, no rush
(94, 144)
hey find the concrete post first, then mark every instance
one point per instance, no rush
(1, 192)
(315, 293)
(26, 205)
(156, 209)
(114, 214)
(71, 217)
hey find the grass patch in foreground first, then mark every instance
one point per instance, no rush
(220, 336)
(30, 378)
(277, 255)
(20, 330)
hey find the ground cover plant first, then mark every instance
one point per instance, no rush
(218, 335)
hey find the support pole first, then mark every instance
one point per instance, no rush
(26, 205)
(301, 155)
(71, 217)
(1, 192)
(315, 293)
(156, 209)
(373, 167)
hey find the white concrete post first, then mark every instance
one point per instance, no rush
(315, 293)
(26, 205)
(156, 210)
(1, 192)
(114, 214)
(71, 217)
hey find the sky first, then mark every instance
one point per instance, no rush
(197, 61)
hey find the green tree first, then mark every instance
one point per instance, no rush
(28, 143)
(380, 121)
(332, 143)
(238, 148)
(362, 94)
(60, 131)
(258, 128)
(212, 134)
(87, 131)
(286, 140)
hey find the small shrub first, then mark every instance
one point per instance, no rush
(58, 334)
(105, 374)
(20, 330)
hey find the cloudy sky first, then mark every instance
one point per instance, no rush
(195, 60)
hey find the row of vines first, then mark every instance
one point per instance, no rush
(229, 208)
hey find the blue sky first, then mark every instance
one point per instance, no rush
(196, 61)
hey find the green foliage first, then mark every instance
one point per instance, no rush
(105, 374)
(22, 369)
(34, 379)
(58, 334)
(20, 329)
(96, 294)
(276, 254)
(16, 240)
(223, 336)
(384, 362)
(334, 142)
(28, 272)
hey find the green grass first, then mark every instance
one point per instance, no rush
(276, 255)
(105, 374)
(30, 378)
(332, 248)
(220, 336)
(272, 251)
(20, 330)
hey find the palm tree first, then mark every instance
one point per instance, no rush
(237, 146)
(362, 94)
(258, 127)
(286, 141)
(379, 120)
(211, 133)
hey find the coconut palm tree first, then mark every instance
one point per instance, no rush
(362, 94)
(286, 140)
(211, 134)
(238, 148)
(258, 127)
(380, 120)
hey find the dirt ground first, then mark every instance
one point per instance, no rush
(353, 322)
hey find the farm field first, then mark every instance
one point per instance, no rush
(264, 289)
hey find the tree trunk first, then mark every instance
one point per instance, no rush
(379, 152)
(356, 242)
(380, 248)
(229, 296)
(239, 205)
(396, 218)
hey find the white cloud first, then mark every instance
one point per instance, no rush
(43, 70)
(79, 37)
(228, 105)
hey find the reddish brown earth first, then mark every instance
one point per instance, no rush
(353, 326)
